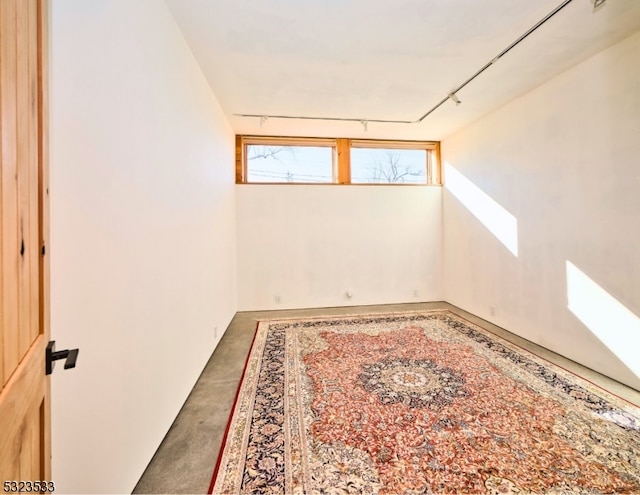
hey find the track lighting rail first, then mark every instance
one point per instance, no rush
(450, 96)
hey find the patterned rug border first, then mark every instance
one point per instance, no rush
(585, 383)
(566, 370)
(233, 410)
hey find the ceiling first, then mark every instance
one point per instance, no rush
(385, 60)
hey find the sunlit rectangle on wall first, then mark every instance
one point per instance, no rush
(614, 324)
(491, 214)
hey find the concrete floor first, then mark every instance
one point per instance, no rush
(185, 460)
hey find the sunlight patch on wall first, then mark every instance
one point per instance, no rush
(613, 323)
(493, 216)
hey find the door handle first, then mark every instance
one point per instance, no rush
(69, 355)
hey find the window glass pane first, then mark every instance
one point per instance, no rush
(381, 165)
(275, 163)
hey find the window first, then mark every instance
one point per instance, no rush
(335, 161)
(282, 162)
(388, 164)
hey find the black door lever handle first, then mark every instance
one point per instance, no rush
(69, 355)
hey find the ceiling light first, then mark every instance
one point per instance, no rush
(454, 98)
(597, 4)
(365, 124)
(263, 119)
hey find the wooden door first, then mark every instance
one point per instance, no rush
(24, 321)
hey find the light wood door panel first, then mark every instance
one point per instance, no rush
(25, 449)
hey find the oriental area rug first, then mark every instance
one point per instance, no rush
(418, 403)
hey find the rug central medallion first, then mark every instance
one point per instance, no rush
(419, 403)
(412, 382)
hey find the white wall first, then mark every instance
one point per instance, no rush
(142, 234)
(310, 244)
(564, 160)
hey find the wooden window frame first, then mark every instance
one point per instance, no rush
(341, 166)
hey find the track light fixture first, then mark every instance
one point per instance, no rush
(263, 119)
(598, 4)
(454, 98)
(365, 124)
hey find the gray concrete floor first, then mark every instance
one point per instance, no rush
(185, 460)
